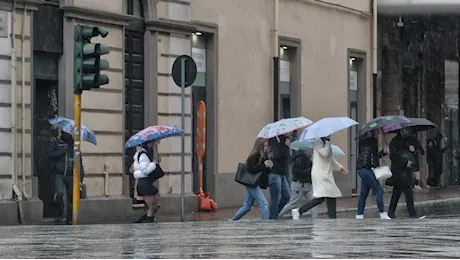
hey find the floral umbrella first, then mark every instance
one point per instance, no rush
(283, 126)
(153, 133)
(68, 125)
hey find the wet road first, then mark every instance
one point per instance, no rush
(322, 238)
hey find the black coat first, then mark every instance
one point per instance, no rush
(301, 169)
(400, 155)
(369, 155)
(255, 165)
(278, 153)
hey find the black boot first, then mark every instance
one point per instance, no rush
(141, 218)
(149, 219)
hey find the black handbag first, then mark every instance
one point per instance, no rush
(157, 173)
(243, 176)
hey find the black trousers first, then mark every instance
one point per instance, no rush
(331, 206)
(396, 194)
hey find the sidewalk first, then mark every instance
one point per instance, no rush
(430, 202)
(346, 207)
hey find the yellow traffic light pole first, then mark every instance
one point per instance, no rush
(87, 67)
(77, 160)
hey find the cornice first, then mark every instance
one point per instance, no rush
(96, 15)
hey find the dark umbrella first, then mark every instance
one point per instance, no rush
(385, 123)
(421, 124)
(418, 124)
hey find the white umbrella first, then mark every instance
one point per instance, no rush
(309, 144)
(326, 127)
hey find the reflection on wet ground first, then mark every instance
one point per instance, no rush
(322, 238)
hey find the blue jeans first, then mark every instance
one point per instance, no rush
(279, 193)
(253, 194)
(368, 182)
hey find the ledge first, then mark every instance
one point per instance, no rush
(7, 5)
(95, 15)
(170, 26)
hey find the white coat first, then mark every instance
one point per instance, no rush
(322, 172)
(142, 164)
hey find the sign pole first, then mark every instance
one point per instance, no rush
(76, 163)
(182, 174)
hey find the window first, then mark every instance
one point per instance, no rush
(134, 8)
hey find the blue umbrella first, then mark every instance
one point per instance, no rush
(153, 133)
(309, 144)
(68, 125)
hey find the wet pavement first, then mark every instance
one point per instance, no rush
(321, 238)
(346, 207)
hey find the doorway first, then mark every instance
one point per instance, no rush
(356, 110)
(45, 106)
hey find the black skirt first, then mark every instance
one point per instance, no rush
(145, 187)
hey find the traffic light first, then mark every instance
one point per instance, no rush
(87, 59)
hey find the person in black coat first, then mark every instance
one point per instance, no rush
(402, 168)
(278, 153)
(416, 149)
(301, 182)
(257, 162)
(435, 154)
(368, 159)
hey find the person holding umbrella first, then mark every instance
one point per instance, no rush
(402, 168)
(368, 159)
(324, 164)
(146, 168)
(62, 154)
(278, 134)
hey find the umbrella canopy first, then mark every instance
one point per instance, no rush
(283, 126)
(68, 125)
(153, 133)
(309, 144)
(326, 127)
(421, 124)
(385, 123)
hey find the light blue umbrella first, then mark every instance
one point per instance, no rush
(326, 127)
(309, 144)
(68, 125)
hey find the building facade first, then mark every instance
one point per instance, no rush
(324, 49)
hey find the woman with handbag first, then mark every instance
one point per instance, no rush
(256, 163)
(368, 159)
(146, 171)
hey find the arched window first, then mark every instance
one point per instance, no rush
(134, 8)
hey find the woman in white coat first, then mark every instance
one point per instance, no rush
(322, 177)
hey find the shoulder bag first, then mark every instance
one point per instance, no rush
(243, 176)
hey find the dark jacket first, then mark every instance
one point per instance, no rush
(255, 165)
(62, 161)
(301, 169)
(369, 155)
(402, 175)
(278, 153)
(435, 155)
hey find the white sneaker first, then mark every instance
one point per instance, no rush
(384, 215)
(418, 187)
(422, 217)
(359, 216)
(295, 214)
